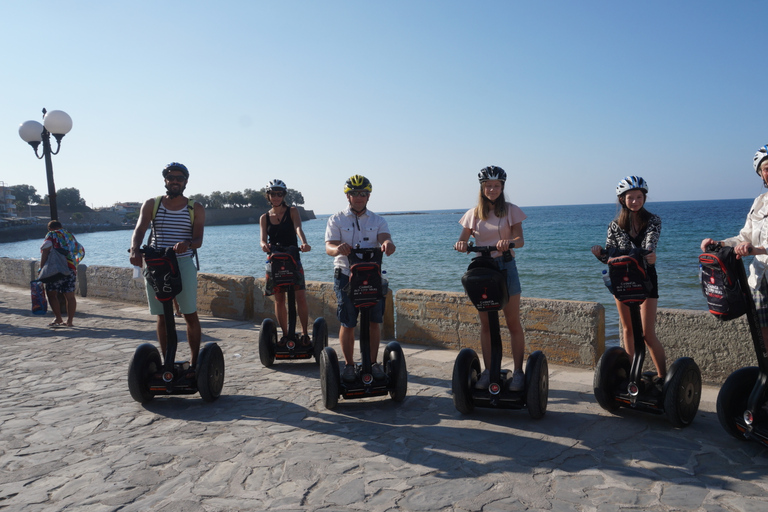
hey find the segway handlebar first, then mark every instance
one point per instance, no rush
(486, 250)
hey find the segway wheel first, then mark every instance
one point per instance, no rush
(210, 372)
(144, 363)
(682, 392)
(465, 372)
(319, 337)
(612, 371)
(267, 342)
(396, 370)
(329, 377)
(733, 398)
(537, 384)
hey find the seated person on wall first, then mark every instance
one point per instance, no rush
(173, 226)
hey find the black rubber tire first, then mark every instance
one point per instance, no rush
(466, 370)
(329, 377)
(682, 392)
(612, 370)
(210, 372)
(537, 384)
(319, 337)
(733, 397)
(267, 342)
(144, 363)
(396, 370)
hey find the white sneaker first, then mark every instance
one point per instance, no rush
(518, 381)
(484, 381)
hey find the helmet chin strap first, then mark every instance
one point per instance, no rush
(358, 212)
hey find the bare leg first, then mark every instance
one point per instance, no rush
(71, 307)
(303, 310)
(280, 312)
(194, 336)
(347, 340)
(628, 338)
(485, 339)
(512, 317)
(648, 314)
(53, 300)
(375, 332)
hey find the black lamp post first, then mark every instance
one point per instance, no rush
(55, 122)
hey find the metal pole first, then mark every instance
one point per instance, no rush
(49, 174)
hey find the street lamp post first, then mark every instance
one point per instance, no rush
(56, 123)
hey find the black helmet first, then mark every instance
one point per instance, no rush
(492, 173)
(175, 166)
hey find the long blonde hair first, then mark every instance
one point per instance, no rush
(484, 205)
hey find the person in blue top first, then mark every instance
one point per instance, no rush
(281, 225)
(353, 226)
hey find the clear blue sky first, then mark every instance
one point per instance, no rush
(567, 96)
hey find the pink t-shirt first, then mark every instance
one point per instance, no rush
(488, 232)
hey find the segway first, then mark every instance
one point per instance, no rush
(147, 374)
(486, 287)
(743, 398)
(366, 288)
(284, 271)
(621, 383)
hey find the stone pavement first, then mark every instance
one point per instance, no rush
(71, 437)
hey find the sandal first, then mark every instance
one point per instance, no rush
(56, 324)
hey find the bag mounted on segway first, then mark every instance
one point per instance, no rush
(485, 284)
(720, 284)
(366, 286)
(162, 271)
(629, 278)
(284, 267)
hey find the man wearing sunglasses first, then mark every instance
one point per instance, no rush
(176, 222)
(352, 227)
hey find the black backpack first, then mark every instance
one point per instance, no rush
(162, 271)
(485, 284)
(366, 286)
(629, 277)
(284, 267)
(720, 283)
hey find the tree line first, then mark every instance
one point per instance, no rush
(69, 198)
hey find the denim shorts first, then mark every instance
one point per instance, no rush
(187, 299)
(346, 312)
(513, 279)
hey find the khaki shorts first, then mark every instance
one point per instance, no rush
(187, 299)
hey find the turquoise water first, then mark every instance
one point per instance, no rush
(556, 262)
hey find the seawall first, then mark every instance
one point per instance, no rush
(568, 332)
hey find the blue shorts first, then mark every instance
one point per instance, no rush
(346, 312)
(187, 299)
(513, 279)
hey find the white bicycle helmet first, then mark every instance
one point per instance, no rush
(492, 173)
(277, 185)
(761, 155)
(631, 183)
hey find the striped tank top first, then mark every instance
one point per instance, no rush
(170, 227)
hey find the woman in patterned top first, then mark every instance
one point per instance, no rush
(636, 227)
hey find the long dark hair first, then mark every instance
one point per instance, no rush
(624, 218)
(484, 205)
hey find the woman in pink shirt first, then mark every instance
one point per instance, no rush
(495, 222)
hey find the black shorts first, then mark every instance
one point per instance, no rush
(654, 293)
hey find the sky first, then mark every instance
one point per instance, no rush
(417, 95)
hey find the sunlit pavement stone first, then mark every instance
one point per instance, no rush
(71, 437)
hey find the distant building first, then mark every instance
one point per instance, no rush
(7, 204)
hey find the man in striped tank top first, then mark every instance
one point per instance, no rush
(175, 222)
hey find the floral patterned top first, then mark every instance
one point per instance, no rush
(646, 239)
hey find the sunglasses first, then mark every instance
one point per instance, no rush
(358, 193)
(176, 177)
(277, 194)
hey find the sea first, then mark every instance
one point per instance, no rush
(555, 263)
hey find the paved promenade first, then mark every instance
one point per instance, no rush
(71, 437)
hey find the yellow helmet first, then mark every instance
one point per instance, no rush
(357, 182)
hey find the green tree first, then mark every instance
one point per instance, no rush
(69, 199)
(25, 195)
(200, 198)
(77, 216)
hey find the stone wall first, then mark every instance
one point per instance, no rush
(568, 332)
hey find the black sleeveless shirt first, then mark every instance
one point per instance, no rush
(283, 233)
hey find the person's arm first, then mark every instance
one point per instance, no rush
(651, 240)
(337, 248)
(387, 245)
(145, 217)
(197, 232)
(44, 256)
(296, 218)
(461, 244)
(517, 239)
(263, 232)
